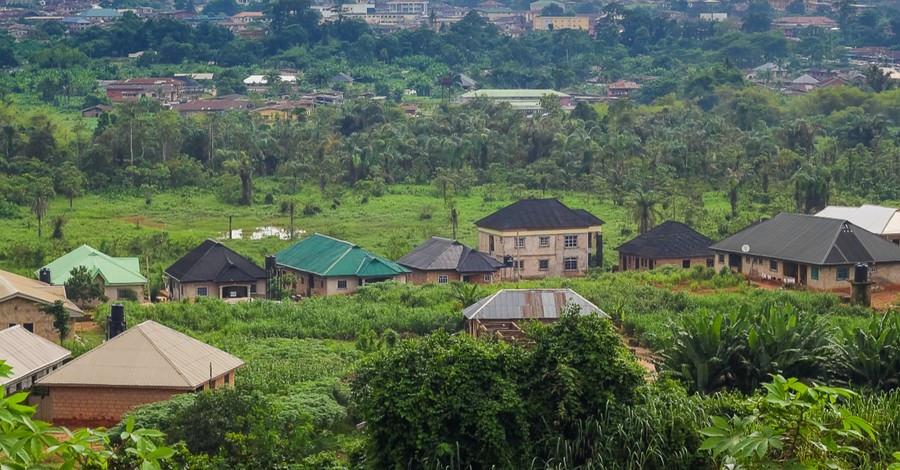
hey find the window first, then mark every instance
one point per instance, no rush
(843, 273)
(721, 259)
(545, 242)
(491, 242)
(253, 288)
(570, 264)
(643, 262)
(322, 284)
(544, 264)
(520, 242)
(227, 379)
(467, 278)
(709, 262)
(773, 266)
(443, 279)
(685, 263)
(488, 278)
(202, 292)
(28, 326)
(570, 241)
(814, 273)
(122, 294)
(342, 284)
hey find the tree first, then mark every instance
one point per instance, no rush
(41, 191)
(796, 7)
(71, 182)
(876, 79)
(82, 288)
(644, 210)
(60, 318)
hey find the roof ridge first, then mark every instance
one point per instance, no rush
(338, 260)
(202, 257)
(345, 242)
(834, 239)
(160, 351)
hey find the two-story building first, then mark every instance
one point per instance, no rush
(540, 238)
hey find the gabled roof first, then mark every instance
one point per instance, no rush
(669, 239)
(517, 304)
(100, 13)
(330, 257)
(442, 254)
(213, 261)
(768, 67)
(148, 355)
(805, 79)
(342, 77)
(872, 218)
(512, 94)
(13, 285)
(27, 352)
(534, 214)
(811, 240)
(114, 271)
(465, 81)
(623, 85)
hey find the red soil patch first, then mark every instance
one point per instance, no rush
(143, 222)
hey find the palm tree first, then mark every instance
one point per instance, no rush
(41, 193)
(644, 210)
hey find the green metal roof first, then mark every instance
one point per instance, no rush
(114, 271)
(100, 13)
(330, 257)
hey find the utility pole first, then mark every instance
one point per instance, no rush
(229, 227)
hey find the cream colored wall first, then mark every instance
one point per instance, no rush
(532, 252)
(112, 292)
(885, 274)
(20, 311)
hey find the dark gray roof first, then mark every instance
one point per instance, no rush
(213, 261)
(811, 240)
(442, 254)
(669, 239)
(517, 304)
(536, 214)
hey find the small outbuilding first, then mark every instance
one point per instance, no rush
(669, 243)
(441, 260)
(501, 313)
(145, 364)
(214, 270)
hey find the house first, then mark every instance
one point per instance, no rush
(542, 238)
(807, 250)
(132, 89)
(284, 111)
(791, 26)
(96, 111)
(502, 313)
(441, 260)
(214, 270)
(769, 70)
(621, 89)
(75, 23)
(217, 106)
(145, 364)
(121, 277)
(555, 23)
(248, 17)
(880, 220)
(668, 243)
(523, 100)
(342, 78)
(407, 7)
(100, 15)
(465, 82)
(21, 299)
(30, 356)
(326, 266)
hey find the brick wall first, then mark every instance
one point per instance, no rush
(21, 311)
(100, 406)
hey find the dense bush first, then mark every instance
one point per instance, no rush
(869, 356)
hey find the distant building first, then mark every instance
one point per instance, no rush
(503, 313)
(542, 238)
(342, 78)
(405, 7)
(880, 220)
(214, 270)
(147, 363)
(132, 89)
(30, 356)
(96, 110)
(441, 260)
(21, 300)
(792, 25)
(621, 89)
(670, 243)
(100, 15)
(215, 106)
(546, 23)
(524, 100)
(118, 276)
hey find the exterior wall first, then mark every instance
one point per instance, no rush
(629, 262)
(24, 383)
(754, 267)
(19, 311)
(328, 285)
(188, 290)
(418, 277)
(532, 253)
(112, 292)
(562, 22)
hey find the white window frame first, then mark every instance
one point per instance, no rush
(339, 284)
(202, 291)
(443, 279)
(544, 242)
(570, 241)
(520, 242)
(488, 277)
(572, 259)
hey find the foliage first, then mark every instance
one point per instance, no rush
(29, 444)
(60, 315)
(869, 356)
(792, 424)
(82, 288)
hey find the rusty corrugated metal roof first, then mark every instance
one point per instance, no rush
(13, 285)
(148, 355)
(27, 352)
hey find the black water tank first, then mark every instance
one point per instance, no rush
(44, 275)
(271, 264)
(508, 261)
(116, 323)
(861, 273)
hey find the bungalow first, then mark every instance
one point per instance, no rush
(96, 111)
(326, 266)
(524, 100)
(132, 89)
(214, 270)
(21, 299)
(541, 238)
(216, 106)
(621, 89)
(342, 78)
(441, 260)
(30, 356)
(100, 15)
(812, 251)
(554, 23)
(121, 277)
(880, 220)
(502, 313)
(145, 364)
(671, 243)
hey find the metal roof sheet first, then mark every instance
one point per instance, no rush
(872, 218)
(213, 261)
(13, 285)
(329, 257)
(114, 271)
(670, 239)
(535, 214)
(513, 94)
(811, 240)
(148, 355)
(27, 352)
(517, 304)
(443, 254)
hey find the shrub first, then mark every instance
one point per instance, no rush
(870, 356)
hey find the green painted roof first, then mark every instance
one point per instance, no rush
(330, 257)
(114, 271)
(509, 94)
(100, 13)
